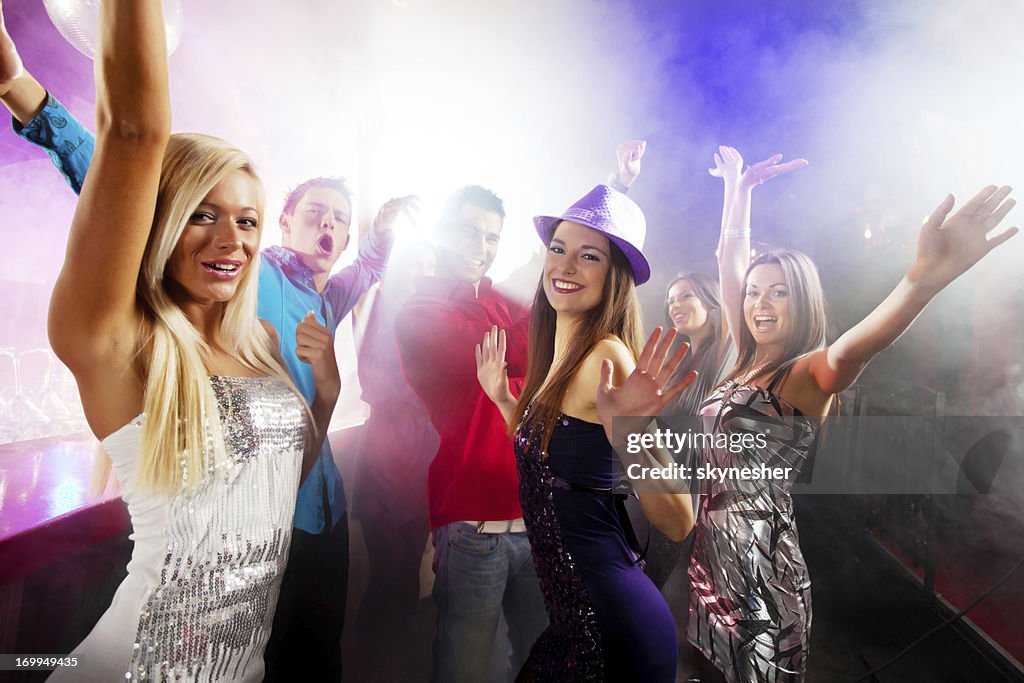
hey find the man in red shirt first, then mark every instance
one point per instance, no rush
(482, 556)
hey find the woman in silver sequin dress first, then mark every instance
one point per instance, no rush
(154, 312)
(750, 610)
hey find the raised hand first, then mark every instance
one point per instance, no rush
(644, 392)
(950, 245)
(314, 344)
(762, 171)
(629, 154)
(491, 368)
(728, 164)
(389, 212)
(10, 63)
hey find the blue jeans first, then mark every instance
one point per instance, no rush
(478, 576)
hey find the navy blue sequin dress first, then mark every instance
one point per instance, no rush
(608, 622)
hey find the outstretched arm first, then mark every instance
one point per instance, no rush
(734, 241)
(948, 246)
(92, 311)
(353, 281)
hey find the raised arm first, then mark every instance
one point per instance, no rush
(350, 283)
(19, 91)
(947, 247)
(92, 312)
(734, 241)
(628, 154)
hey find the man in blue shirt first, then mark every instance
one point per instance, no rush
(294, 280)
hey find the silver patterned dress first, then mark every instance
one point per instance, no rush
(750, 598)
(206, 569)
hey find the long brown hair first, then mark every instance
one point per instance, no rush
(806, 306)
(618, 315)
(711, 362)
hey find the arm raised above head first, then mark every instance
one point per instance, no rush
(19, 91)
(93, 310)
(949, 246)
(734, 241)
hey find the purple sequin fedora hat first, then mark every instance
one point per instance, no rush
(612, 214)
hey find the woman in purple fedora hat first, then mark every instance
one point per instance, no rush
(587, 364)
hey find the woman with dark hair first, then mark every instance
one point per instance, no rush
(607, 620)
(750, 591)
(693, 307)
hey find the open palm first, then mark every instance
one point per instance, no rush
(644, 392)
(491, 368)
(950, 245)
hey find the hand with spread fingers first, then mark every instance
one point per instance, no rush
(387, 216)
(949, 245)
(762, 171)
(492, 370)
(629, 154)
(645, 392)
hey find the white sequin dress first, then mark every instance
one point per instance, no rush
(206, 569)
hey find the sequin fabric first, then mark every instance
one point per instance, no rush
(750, 600)
(570, 648)
(227, 543)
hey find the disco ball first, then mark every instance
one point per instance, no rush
(78, 21)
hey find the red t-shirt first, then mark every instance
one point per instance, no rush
(473, 476)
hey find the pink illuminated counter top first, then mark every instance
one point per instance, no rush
(46, 513)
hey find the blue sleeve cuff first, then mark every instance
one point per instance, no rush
(68, 144)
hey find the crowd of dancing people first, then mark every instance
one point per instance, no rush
(206, 369)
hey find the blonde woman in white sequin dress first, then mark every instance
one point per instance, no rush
(154, 312)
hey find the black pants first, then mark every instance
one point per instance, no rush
(305, 643)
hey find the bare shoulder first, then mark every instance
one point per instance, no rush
(611, 349)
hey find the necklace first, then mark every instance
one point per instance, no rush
(742, 381)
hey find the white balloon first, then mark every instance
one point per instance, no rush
(78, 21)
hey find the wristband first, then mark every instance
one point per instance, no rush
(736, 232)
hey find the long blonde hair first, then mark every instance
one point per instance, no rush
(181, 436)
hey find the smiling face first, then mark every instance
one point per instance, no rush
(317, 229)
(218, 243)
(685, 309)
(576, 268)
(766, 307)
(467, 243)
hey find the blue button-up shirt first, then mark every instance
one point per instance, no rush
(286, 294)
